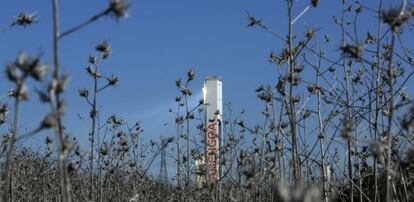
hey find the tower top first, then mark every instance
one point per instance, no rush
(214, 78)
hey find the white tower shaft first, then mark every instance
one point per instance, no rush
(213, 99)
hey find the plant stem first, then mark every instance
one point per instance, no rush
(295, 154)
(64, 179)
(390, 117)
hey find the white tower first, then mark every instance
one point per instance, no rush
(213, 100)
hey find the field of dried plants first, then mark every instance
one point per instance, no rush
(332, 128)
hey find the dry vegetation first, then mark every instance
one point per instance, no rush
(344, 132)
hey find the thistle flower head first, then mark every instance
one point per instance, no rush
(112, 81)
(92, 71)
(21, 93)
(104, 48)
(313, 89)
(396, 17)
(92, 59)
(119, 8)
(353, 51)
(26, 66)
(84, 92)
(191, 74)
(252, 20)
(179, 83)
(115, 119)
(310, 33)
(40, 71)
(24, 19)
(62, 83)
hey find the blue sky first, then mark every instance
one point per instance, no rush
(159, 42)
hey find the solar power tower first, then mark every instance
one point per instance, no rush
(213, 100)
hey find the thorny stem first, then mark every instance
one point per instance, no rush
(92, 140)
(377, 101)
(348, 111)
(321, 139)
(188, 140)
(390, 119)
(86, 23)
(295, 155)
(7, 178)
(64, 179)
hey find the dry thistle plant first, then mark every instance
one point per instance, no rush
(333, 127)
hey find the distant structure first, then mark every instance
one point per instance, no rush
(213, 102)
(163, 175)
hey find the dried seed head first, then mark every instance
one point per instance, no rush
(104, 150)
(105, 48)
(293, 78)
(353, 51)
(40, 71)
(27, 65)
(398, 72)
(370, 39)
(310, 33)
(115, 119)
(191, 74)
(298, 68)
(313, 88)
(179, 83)
(62, 83)
(84, 92)
(259, 89)
(281, 86)
(92, 59)
(119, 8)
(266, 97)
(24, 19)
(273, 57)
(252, 20)
(186, 91)
(21, 93)
(113, 81)
(93, 114)
(92, 72)
(396, 17)
(179, 119)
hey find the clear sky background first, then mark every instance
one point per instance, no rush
(160, 41)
